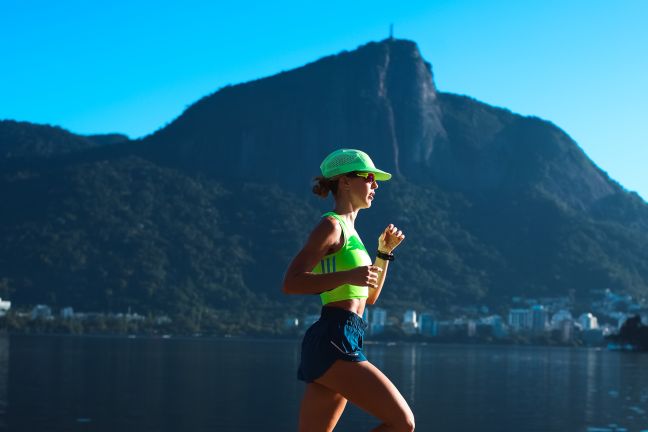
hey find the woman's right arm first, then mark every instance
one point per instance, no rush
(299, 278)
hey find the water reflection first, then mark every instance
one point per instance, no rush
(410, 353)
(68, 383)
(60, 383)
(520, 388)
(590, 385)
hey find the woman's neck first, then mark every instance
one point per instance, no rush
(346, 211)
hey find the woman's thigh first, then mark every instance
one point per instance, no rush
(366, 386)
(321, 409)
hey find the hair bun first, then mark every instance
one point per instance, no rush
(321, 187)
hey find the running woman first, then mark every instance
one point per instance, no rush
(335, 264)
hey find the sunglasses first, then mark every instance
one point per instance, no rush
(369, 177)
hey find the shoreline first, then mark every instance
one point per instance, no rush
(297, 339)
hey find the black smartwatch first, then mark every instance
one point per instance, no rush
(385, 256)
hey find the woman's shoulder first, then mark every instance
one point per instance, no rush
(333, 232)
(329, 223)
(326, 235)
(327, 230)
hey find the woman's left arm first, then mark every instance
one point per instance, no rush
(387, 242)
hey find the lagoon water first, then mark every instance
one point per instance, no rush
(68, 383)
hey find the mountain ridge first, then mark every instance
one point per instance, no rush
(24, 140)
(410, 140)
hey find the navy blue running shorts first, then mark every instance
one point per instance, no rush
(337, 335)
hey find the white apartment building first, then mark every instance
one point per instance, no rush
(410, 323)
(5, 305)
(588, 321)
(519, 319)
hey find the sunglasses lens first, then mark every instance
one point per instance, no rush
(369, 177)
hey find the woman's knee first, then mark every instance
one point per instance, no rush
(406, 423)
(410, 424)
(402, 422)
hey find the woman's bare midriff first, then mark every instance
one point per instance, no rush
(357, 306)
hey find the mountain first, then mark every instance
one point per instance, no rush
(205, 214)
(379, 98)
(382, 98)
(20, 140)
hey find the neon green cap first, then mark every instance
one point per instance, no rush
(344, 161)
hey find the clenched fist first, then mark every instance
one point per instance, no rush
(390, 238)
(365, 276)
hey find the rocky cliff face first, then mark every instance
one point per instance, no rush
(491, 150)
(380, 98)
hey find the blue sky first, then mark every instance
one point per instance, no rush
(132, 67)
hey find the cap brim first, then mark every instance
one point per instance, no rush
(380, 174)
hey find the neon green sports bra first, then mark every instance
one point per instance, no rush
(352, 254)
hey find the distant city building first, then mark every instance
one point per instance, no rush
(162, 319)
(427, 325)
(290, 323)
(613, 299)
(41, 312)
(539, 319)
(607, 329)
(566, 330)
(129, 316)
(410, 324)
(559, 317)
(588, 321)
(496, 325)
(67, 313)
(5, 305)
(471, 328)
(459, 327)
(377, 320)
(519, 319)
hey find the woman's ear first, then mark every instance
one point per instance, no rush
(344, 183)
